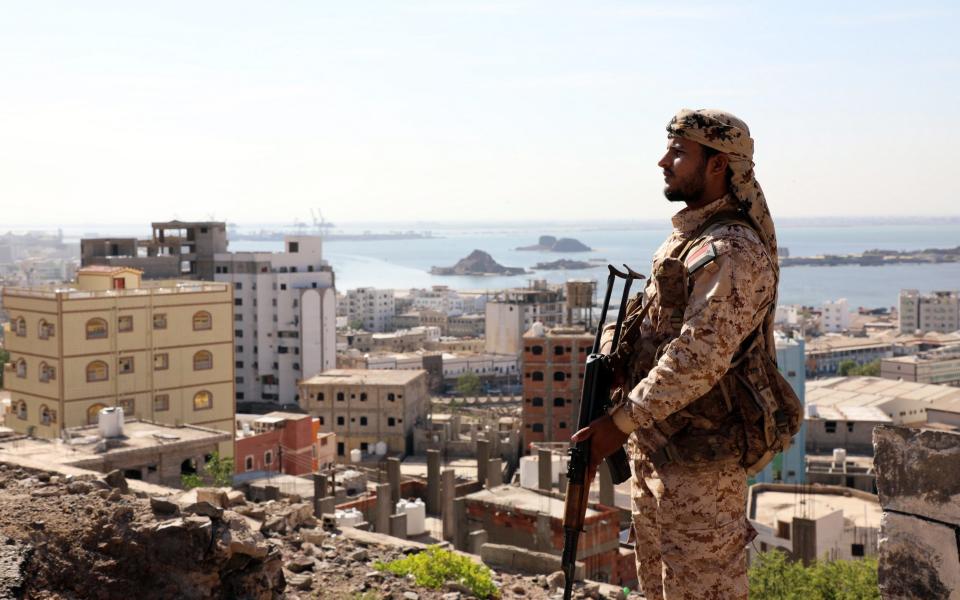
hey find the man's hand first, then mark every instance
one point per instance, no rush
(605, 437)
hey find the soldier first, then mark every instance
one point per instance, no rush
(712, 286)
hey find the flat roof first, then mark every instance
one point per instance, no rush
(365, 377)
(846, 393)
(106, 270)
(516, 498)
(830, 343)
(773, 506)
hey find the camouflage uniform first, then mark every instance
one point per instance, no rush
(689, 515)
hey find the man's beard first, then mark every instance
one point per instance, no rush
(689, 190)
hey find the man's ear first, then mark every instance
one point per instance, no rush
(719, 164)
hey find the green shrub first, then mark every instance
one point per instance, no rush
(436, 566)
(774, 577)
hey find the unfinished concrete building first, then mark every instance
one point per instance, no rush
(176, 250)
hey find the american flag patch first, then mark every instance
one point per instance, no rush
(699, 257)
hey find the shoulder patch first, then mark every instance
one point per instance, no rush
(700, 256)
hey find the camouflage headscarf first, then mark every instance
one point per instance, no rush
(727, 134)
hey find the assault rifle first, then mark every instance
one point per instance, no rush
(594, 403)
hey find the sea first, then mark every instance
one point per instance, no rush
(404, 264)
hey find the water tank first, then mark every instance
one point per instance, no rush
(416, 513)
(839, 456)
(380, 448)
(529, 472)
(355, 455)
(348, 517)
(110, 422)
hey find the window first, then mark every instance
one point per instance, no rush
(248, 463)
(125, 364)
(161, 361)
(202, 320)
(363, 421)
(558, 350)
(47, 372)
(322, 421)
(339, 396)
(830, 426)
(538, 427)
(22, 411)
(319, 396)
(268, 457)
(537, 376)
(93, 413)
(47, 416)
(341, 448)
(238, 348)
(563, 425)
(538, 401)
(559, 376)
(856, 549)
(783, 530)
(96, 329)
(97, 371)
(558, 402)
(161, 402)
(340, 421)
(391, 421)
(238, 333)
(202, 400)
(293, 247)
(20, 327)
(128, 406)
(391, 397)
(283, 286)
(237, 285)
(537, 350)
(202, 360)
(22, 369)
(46, 330)
(238, 301)
(125, 323)
(363, 396)
(159, 321)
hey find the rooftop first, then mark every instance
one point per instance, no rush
(772, 506)
(69, 291)
(365, 377)
(518, 499)
(854, 396)
(833, 342)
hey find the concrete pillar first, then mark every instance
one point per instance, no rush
(327, 506)
(460, 518)
(562, 478)
(381, 521)
(455, 426)
(319, 491)
(544, 469)
(494, 472)
(606, 484)
(476, 539)
(433, 482)
(393, 478)
(448, 491)
(483, 457)
(398, 526)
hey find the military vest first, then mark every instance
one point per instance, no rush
(750, 415)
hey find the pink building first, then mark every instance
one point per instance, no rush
(282, 442)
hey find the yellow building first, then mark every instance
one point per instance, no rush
(163, 350)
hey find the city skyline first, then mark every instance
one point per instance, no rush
(486, 110)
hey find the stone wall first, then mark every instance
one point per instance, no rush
(918, 480)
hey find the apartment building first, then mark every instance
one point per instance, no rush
(789, 466)
(514, 311)
(364, 407)
(936, 311)
(162, 350)
(284, 317)
(824, 354)
(552, 364)
(370, 309)
(835, 316)
(176, 250)
(282, 442)
(940, 366)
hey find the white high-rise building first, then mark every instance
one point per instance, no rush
(936, 311)
(371, 308)
(835, 316)
(284, 317)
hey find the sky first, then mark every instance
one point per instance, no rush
(486, 110)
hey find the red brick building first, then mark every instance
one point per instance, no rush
(527, 519)
(281, 442)
(552, 364)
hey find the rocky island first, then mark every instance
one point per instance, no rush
(549, 243)
(876, 258)
(564, 264)
(477, 263)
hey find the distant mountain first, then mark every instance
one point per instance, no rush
(477, 263)
(564, 264)
(549, 243)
